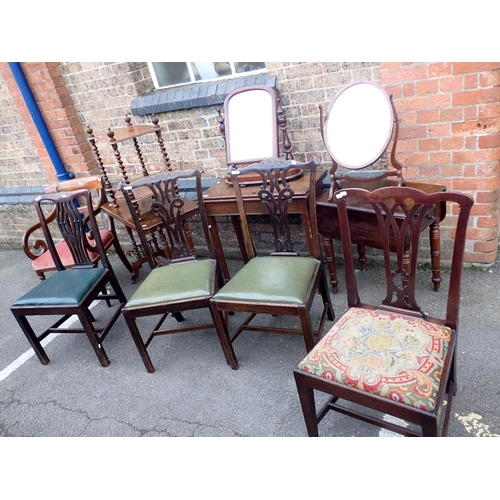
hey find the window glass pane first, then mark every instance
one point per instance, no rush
(171, 73)
(206, 70)
(168, 74)
(248, 66)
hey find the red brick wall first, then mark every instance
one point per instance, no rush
(57, 108)
(449, 116)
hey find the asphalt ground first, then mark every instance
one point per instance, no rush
(194, 393)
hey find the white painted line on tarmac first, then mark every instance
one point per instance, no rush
(24, 357)
(28, 354)
(392, 420)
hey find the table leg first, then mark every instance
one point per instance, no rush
(362, 257)
(435, 244)
(239, 236)
(219, 250)
(137, 263)
(330, 261)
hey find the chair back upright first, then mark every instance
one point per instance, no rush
(74, 227)
(276, 193)
(165, 201)
(401, 212)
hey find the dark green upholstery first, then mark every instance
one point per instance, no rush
(271, 279)
(187, 280)
(61, 288)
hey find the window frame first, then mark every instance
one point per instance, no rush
(193, 80)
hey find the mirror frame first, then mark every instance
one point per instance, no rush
(376, 152)
(259, 124)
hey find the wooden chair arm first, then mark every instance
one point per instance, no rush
(90, 182)
(38, 245)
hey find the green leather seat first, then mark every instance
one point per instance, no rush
(62, 288)
(271, 279)
(180, 281)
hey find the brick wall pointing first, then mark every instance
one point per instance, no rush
(448, 112)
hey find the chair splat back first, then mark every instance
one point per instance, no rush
(276, 194)
(73, 226)
(167, 203)
(401, 212)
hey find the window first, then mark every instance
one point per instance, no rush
(168, 74)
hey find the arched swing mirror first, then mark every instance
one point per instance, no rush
(251, 125)
(358, 128)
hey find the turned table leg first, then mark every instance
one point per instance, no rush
(330, 261)
(435, 244)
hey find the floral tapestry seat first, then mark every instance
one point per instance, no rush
(392, 355)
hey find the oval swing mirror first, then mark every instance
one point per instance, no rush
(358, 125)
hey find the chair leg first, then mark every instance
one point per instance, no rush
(121, 254)
(362, 256)
(306, 398)
(223, 334)
(93, 338)
(118, 248)
(32, 339)
(178, 316)
(115, 285)
(307, 330)
(104, 292)
(430, 428)
(139, 343)
(325, 295)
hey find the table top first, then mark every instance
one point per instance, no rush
(129, 132)
(362, 218)
(371, 186)
(220, 199)
(223, 190)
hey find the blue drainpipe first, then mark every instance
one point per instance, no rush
(17, 71)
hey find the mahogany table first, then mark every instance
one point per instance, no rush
(362, 222)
